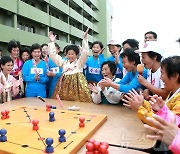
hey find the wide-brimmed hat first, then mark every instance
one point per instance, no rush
(151, 46)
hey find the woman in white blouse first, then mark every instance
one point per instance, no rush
(106, 95)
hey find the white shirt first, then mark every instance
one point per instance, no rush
(112, 95)
(155, 78)
(73, 67)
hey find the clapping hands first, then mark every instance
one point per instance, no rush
(93, 87)
(133, 100)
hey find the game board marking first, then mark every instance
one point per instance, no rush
(57, 119)
(74, 132)
(68, 144)
(30, 121)
(23, 145)
(28, 116)
(41, 137)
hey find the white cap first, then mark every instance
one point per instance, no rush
(151, 46)
(113, 42)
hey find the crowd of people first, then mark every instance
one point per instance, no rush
(154, 92)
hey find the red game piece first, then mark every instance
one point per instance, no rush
(7, 114)
(81, 124)
(96, 152)
(96, 145)
(102, 149)
(91, 141)
(3, 113)
(35, 124)
(106, 144)
(48, 107)
(90, 146)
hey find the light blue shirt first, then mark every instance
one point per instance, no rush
(130, 81)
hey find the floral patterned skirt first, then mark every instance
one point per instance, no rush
(73, 88)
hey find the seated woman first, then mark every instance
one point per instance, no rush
(170, 75)
(9, 86)
(34, 73)
(130, 61)
(102, 94)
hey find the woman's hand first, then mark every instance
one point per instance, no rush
(52, 37)
(116, 57)
(133, 100)
(156, 102)
(93, 88)
(37, 77)
(164, 131)
(141, 79)
(106, 82)
(86, 34)
(50, 74)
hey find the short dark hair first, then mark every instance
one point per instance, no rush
(132, 42)
(72, 47)
(151, 32)
(44, 44)
(111, 65)
(13, 44)
(131, 55)
(5, 59)
(172, 66)
(26, 49)
(152, 55)
(1, 50)
(33, 47)
(96, 42)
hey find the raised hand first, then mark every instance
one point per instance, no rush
(86, 34)
(133, 100)
(80, 48)
(102, 50)
(156, 102)
(93, 88)
(52, 37)
(163, 130)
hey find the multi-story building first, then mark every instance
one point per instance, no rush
(29, 21)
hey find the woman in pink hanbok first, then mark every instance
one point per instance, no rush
(9, 86)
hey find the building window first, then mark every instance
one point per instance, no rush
(26, 27)
(32, 29)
